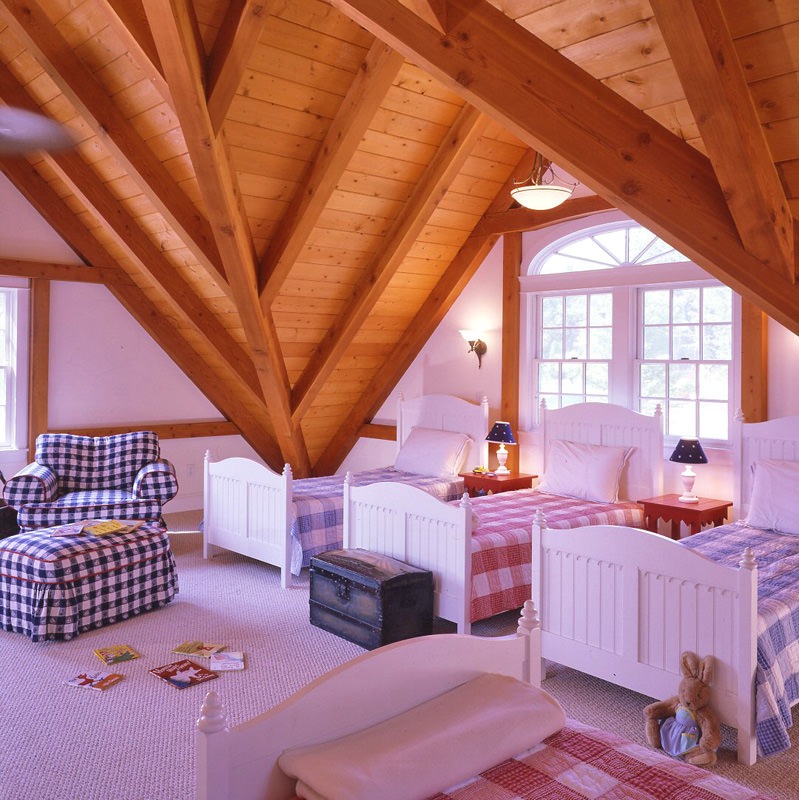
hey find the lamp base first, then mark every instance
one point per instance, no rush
(688, 476)
(688, 498)
(502, 457)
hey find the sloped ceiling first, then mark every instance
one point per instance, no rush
(289, 194)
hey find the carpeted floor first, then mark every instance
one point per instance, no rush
(135, 741)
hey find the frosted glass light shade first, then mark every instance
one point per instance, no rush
(541, 197)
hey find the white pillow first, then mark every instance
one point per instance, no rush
(430, 747)
(774, 503)
(586, 471)
(428, 451)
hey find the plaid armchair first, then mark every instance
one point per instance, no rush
(85, 477)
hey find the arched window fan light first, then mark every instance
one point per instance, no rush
(24, 131)
(542, 192)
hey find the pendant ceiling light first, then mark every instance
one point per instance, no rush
(24, 131)
(541, 191)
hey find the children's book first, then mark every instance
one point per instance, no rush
(103, 527)
(230, 659)
(184, 673)
(198, 648)
(70, 529)
(98, 681)
(115, 653)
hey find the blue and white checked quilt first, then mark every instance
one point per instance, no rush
(777, 680)
(317, 523)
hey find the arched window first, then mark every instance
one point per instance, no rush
(615, 314)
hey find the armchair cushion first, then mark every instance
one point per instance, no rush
(156, 481)
(34, 483)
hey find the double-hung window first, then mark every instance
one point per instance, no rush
(14, 298)
(614, 314)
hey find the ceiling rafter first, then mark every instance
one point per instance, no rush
(378, 71)
(180, 294)
(449, 286)
(80, 273)
(704, 55)
(172, 24)
(151, 317)
(233, 47)
(455, 148)
(434, 12)
(610, 145)
(31, 26)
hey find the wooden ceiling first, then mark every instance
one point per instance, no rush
(289, 194)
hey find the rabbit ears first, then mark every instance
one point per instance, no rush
(693, 667)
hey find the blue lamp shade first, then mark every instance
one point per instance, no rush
(688, 451)
(502, 434)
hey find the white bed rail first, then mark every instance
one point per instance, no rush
(247, 509)
(623, 604)
(405, 522)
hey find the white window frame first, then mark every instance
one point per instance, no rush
(624, 281)
(15, 449)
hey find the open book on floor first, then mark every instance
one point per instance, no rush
(99, 681)
(184, 673)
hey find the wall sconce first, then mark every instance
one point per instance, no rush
(502, 434)
(476, 345)
(688, 451)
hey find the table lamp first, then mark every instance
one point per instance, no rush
(688, 451)
(502, 434)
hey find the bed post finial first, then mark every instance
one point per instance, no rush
(530, 628)
(540, 519)
(287, 470)
(207, 456)
(212, 715)
(748, 560)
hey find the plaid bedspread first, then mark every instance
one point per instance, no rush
(777, 679)
(584, 762)
(502, 541)
(54, 587)
(318, 514)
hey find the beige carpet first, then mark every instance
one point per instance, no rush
(135, 741)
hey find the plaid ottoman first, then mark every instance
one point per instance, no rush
(54, 587)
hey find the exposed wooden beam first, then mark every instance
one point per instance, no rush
(39, 361)
(30, 24)
(523, 219)
(433, 310)
(165, 430)
(54, 272)
(367, 91)
(754, 363)
(609, 144)
(511, 326)
(434, 12)
(704, 55)
(448, 161)
(171, 22)
(232, 49)
(221, 388)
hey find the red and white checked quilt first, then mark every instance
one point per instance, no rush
(582, 762)
(502, 541)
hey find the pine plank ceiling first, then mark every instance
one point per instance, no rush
(289, 194)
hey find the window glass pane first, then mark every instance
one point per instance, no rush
(717, 342)
(649, 407)
(549, 377)
(552, 343)
(640, 239)
(615, 244)
(713, 420)
(717, 304)
(685, 305)
(552, 400)
(588, 250)
(714, 382)
(552, 312)
(574, 343)
(596, 379)
(601, 309)
(656, 342)
(571, 399)
(576, 310)
(653, 380)
(682, 418)
(573, 377)
(600, 343)
(682, 381)
(656, 306)
(685, 342)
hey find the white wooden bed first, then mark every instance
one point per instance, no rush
(400, 521)
(622, 604)
(240, 763)
(249, 509)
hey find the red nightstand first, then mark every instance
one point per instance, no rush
(669, 508)
(480, 483)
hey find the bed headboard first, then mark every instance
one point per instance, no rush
(447, 413)
(612, 425)
(774, 439)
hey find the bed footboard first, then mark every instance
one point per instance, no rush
(407, 523)
(623, 604)
(247, 509)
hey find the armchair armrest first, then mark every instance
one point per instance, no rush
(156, 481)
(34, 483)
